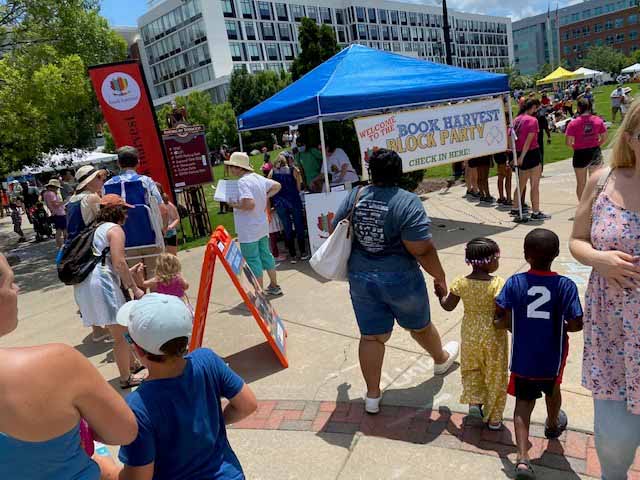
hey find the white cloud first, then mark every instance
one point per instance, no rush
(505, 8)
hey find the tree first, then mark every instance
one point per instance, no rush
(317, 44)
(221, 129)
(545, 70)
(46, 100)
(247, 90)
(199, 109)
(109, 143)
(605, 59)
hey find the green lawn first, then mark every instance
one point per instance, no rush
(553, 153)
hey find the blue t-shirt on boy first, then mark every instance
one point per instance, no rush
(180, 424)
(541, 302)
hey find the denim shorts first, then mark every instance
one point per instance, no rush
(379, 298)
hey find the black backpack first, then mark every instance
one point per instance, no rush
(78, 260)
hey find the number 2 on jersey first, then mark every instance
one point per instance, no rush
(544, 298)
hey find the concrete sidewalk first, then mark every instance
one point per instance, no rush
(310, 422)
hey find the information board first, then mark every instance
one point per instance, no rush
(188, 155)
(223, 248)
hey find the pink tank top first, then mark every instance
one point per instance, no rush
(173, 287)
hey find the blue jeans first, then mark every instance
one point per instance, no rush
(380, 299)
(286, 213)
(617, 438)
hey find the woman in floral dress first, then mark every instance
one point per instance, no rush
(606, 236)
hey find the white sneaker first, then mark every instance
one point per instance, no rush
(453, 349)
(372, 405)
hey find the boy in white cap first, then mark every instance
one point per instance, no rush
(250, 217)
(181, 423)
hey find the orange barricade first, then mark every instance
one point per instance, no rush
(223, 248)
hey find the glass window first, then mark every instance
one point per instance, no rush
(325, 15)
(362, 32)
(267, 31)
(373, 32)
(360, 14)
(383, 16)
(281, 11)
(297, 12)
(385, 33)
(254, 51)
(227, 8)
(340, 20)
(620, 38)
(342, 38)
(633, 35)
(413, 18)
(394, 20)
(403, 18)
(608, 25)
(598, 27)
(272, 51)
(232, 30)
(405, 33)
(250, 30)
(372, 15)
(312, 13)
(287, 51)
(394, 33)
(284, 31)
(619, 22)
(246, 7)
(632, 19)
(236, 52)
(265, 10)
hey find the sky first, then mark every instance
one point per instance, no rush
(126, 12)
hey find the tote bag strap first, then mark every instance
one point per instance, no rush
(353, 207)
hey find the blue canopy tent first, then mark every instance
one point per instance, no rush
(365, 81)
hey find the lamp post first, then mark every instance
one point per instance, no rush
(447, 35)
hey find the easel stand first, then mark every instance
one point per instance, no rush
(223, 248)
(193, 198)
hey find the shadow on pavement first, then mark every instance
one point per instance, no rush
(254, 363)
(37, 269)
(448, 233)
(90, 349)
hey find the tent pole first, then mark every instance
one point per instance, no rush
(515, 159)
(240, 140)
(327, 186)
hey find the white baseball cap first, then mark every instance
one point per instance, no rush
(155, 319)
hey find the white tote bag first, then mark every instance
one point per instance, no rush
(330, 260)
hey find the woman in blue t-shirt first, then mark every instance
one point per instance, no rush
(43, 403)
(391, 241)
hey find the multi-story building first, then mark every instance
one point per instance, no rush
(569, 32)
(196, 44)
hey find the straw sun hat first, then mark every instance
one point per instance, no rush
(240, 160)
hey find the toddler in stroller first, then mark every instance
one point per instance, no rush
(41, 224)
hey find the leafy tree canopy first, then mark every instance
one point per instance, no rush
(247, 90)
(606, 59)
(317, 45)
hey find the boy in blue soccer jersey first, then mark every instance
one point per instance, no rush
(539, 307)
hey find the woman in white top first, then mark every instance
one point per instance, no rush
(100, 295)
(340, 169)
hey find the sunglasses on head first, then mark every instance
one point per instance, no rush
(128, 338)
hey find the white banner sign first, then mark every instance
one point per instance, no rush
(321, 210)
(436, 136)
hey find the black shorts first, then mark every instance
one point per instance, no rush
(501, 158)
(530, 389)
(171, 241)
(480, 162)
(58, 221)
(531, 160)
(587, 157)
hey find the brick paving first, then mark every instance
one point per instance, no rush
(573, 451)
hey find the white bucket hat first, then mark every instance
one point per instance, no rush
(85, 174)
(240, 160)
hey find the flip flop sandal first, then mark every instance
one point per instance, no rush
(524, 473)
(130, 382)
(136, 368)
(563, 421)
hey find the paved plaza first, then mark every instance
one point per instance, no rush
(310, 423)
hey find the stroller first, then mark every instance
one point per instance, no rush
(41, 224)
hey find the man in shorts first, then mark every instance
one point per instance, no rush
(250, 216)
(617, 97)
(539, 307)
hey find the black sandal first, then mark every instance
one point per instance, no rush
(130, 382)
(136, 367)
(524, 473)
(552, 433)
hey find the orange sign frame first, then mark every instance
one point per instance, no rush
(220, 247)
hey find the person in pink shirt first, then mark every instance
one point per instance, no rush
(585, 134)
(529, 161)
(52, 199)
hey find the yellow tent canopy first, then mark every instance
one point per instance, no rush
(560, 75)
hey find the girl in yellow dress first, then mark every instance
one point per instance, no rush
(484, 356)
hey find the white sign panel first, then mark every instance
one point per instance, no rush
(435, 136)
(321, 210)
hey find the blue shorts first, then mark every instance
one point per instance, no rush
(258, 256)
(379, 298)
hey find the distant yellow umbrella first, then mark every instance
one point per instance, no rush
(560, 75)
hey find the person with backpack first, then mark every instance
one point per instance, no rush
(82, 209)
(100, 294)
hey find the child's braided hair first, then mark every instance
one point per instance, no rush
(481, 251)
